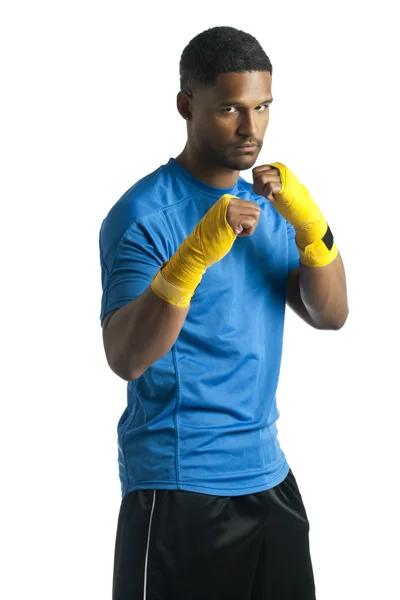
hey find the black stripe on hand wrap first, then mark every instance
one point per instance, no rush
(328, 239)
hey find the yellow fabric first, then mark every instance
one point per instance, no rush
(317, 254)
(212, 238)
(295, 204)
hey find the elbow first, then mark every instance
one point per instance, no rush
(127, 366)
(120, 361)
(343, 319)
(331, 322)
(122, 369)
(339, 321)
(133, 375)
(124, 373)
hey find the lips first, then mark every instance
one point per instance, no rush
(246, 149)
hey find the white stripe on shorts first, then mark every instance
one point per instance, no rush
(148, 544)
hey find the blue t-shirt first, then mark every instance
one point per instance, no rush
(203, 417)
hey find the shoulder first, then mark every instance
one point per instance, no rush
(140, 215)
(157, 191)
(141, 198)
(147, 197)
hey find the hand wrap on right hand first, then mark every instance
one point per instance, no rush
(212, 238)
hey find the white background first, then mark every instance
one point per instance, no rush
(88, 107)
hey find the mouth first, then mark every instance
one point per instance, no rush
(246, 148)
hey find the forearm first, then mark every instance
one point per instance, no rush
(142, 332)
(324, 294)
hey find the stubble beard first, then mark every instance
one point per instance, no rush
(222, 158)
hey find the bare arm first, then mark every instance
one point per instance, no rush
(318, 295)
(138, 334)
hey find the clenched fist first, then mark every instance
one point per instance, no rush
(242, 216)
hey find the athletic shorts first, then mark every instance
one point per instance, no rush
(177, 545)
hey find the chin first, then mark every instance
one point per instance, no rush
(243, 164)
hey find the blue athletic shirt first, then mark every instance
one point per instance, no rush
(203, 417)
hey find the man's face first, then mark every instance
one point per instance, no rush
(230, 114)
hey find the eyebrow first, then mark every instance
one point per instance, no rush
(233, 103)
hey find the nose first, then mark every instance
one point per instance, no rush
(247, 125)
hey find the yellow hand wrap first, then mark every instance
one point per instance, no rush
(313, 236)
(212, 238)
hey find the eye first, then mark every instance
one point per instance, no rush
(231, 109)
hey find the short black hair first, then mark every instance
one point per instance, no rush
(220, 50)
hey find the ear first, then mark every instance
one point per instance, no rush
(183, 104)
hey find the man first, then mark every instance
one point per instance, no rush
(197, 268)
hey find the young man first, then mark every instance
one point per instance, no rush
(197, 268)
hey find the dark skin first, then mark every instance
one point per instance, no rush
(316, 294)
(214, 130)
(236, 111)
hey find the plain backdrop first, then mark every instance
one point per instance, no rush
(88, 107)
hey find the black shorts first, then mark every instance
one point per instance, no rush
(176, 545)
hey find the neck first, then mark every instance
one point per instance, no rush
(205, 170)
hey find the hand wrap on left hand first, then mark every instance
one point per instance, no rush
(314, 238)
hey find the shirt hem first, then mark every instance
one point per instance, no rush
(185, 486)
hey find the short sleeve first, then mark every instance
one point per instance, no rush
(293, 252)
(127, 269)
